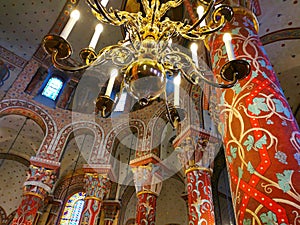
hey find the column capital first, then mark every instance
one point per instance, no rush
(39, 181)
(196, 148)
(147, 174)
(104, 169)
(96, 186)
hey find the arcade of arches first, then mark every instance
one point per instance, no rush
(233, 160)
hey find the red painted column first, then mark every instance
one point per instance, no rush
(39, 183)
(148, 182)
(96, 188)
(200, 200)
(260, 134)
(196, 150)
(146, 207)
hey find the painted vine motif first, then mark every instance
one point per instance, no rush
(201, 209)
(261, 137)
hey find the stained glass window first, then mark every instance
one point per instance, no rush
(53, 88)
(73, 208)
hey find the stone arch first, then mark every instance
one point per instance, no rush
(64, 134)
(154, 128)
(137, 125)
(37, 114)
(15, 157)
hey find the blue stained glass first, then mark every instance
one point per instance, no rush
(73, 209)
(52, 88)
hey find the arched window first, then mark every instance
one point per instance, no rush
(52, 88)
(73, 209)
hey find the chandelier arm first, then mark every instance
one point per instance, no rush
(165, 30)
(204, 31)
(117, 15)
(104, 12)
(200, 77)
(170, 4)
(92, 6)
(65, 67)
(196, 24)
(145, 5)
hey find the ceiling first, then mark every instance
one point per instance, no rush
(24, 24)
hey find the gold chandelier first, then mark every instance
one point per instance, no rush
(145, 57)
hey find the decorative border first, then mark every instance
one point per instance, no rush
(280, 35)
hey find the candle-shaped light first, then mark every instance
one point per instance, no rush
(177, 81)
(104, 2)
(200, 12)
(110, 85)
(194, 49)
(229, 48)
(75, 14)
(96, 35)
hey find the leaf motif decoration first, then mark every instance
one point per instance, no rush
(284, 180)
(268, 218)
(250, 168)
(279, 107)
(240, 172)
(237, 88)
(233, 151)
(262, 141)
(249, 142)
(247, 222)
(258, 106)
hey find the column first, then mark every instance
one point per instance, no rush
(111, 211)
(97, 185)
(148, 182)
(260, 134)
(196, 151)
(41, 177)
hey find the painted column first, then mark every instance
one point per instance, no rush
(196, 151)
(111, 211)
(148, 184)
(97, 185)
(200, 200)
(39, 183)
(260, 134)
(96, 188)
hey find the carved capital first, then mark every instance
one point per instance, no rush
(96, 186)
(147, 177)
(39, 181)
(196, 148)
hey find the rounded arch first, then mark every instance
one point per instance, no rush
(37, 114)
(116, 134)
(64, 134)
(15, 157)
(156, 127)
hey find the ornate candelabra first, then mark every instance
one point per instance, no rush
(146, 58)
